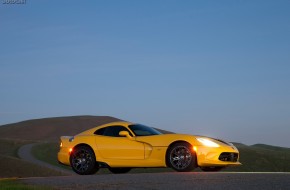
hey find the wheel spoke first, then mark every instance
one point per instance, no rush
(81, 160)
(180, 157)
(175, 158)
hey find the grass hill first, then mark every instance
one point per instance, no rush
(15, 135)
(50, 129)
(263, 158)
(12, 166)
(258, 157)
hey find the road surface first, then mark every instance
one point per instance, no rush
(168, 181)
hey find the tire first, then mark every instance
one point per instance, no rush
(211, 169)
(83, 160)
(181, 157)
(119, 170)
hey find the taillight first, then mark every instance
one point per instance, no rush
(60, 144)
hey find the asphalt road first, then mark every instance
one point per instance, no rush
(168, 181)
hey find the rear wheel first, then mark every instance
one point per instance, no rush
(181, 157)
(83, 160)
(119, 170)
(211, 169)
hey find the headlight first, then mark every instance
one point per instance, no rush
(207, 142)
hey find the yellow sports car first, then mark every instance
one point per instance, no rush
(120, 146)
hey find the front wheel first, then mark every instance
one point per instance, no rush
(119, 170)
(83, 160)
(181, 157)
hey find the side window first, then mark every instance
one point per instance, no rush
(100, 131)
(112, 131)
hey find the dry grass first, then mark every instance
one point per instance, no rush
(50, 129)
(15, 167)
(12, 166)
(13, 184)
(15, 135)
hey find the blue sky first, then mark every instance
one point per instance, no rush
(217, 68)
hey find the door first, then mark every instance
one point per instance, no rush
(112, 146)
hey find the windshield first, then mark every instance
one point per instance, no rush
(142, 130)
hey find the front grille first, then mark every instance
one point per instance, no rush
(229, 157)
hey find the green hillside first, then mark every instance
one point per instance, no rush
(12, 166)
(50, 129)
(262, 158)
(255, 158)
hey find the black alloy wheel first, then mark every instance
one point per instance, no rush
(83, 160)
(181, 157)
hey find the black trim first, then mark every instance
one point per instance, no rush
(229, 157)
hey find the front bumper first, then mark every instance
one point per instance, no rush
(217, 156)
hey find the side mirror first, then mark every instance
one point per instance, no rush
(125, 134)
